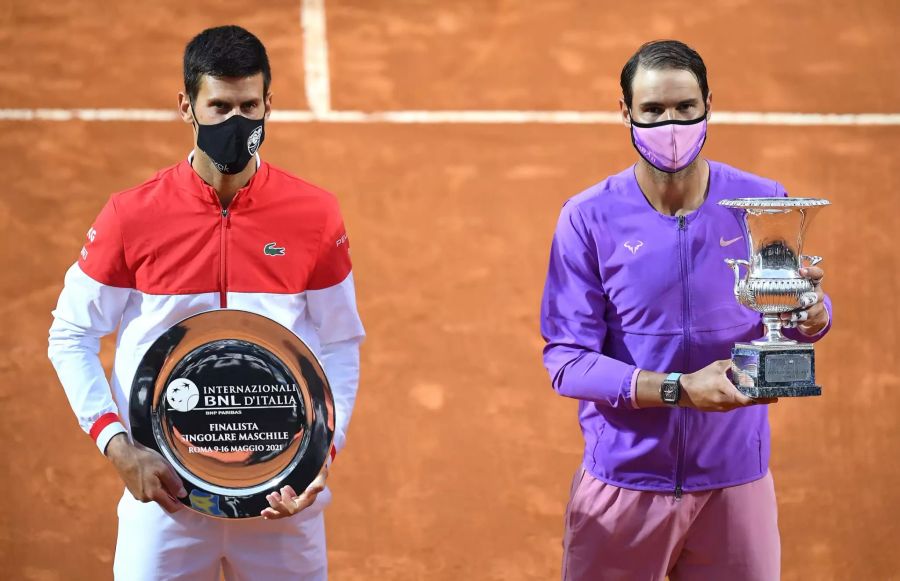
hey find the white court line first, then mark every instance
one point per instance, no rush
(315, 56)
(460, 117)
(318, 95)
(88, 115)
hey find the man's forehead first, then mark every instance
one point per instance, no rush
(670, 83)
(224, 87)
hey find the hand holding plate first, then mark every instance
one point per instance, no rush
(145, 473)
(287, 502)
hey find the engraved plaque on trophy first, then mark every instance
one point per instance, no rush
(773, 365)
(238, 405)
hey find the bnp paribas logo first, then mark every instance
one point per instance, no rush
(271, 249)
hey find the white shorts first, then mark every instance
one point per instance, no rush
(155, 546)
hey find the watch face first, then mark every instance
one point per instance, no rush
(669, 392)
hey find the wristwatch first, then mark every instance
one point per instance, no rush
(670, 390)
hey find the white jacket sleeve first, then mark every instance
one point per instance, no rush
(87, 310)
(335, 317)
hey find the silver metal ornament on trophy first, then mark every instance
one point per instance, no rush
(774, 365)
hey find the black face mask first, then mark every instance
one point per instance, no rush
(232, 143)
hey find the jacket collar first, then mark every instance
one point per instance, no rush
(191, 183)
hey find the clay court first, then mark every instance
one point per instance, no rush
(460, 454)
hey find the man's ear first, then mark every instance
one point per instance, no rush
(708, 106)
(626, 115)
(184, 108)
(268, 104)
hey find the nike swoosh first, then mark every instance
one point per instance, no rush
(723, 242)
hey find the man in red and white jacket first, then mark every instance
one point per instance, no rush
(219, 230)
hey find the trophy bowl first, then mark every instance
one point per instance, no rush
(774, 365)
(238, 405)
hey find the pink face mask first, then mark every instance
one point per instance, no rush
(669, 146)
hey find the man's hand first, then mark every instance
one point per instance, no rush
(287, 502)
(146, 474)
(710, 390)
(812, 318)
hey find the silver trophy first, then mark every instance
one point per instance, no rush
(238, 405)
(773, 365)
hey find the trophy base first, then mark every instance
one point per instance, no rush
(767, 392)
(773, 370)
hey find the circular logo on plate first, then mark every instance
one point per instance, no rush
(182, 394)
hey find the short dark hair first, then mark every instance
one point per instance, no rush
(224, 51)
(663, 54)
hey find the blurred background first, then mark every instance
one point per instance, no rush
(460, 455)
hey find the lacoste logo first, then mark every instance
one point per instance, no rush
(723, 243)
(634, 247)
(271, 250)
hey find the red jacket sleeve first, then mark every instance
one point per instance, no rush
(103, 255)
(333, 259)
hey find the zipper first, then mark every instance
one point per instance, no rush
(686, 314)
(223, 288)
(224, 225)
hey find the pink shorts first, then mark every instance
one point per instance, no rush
(617, 534)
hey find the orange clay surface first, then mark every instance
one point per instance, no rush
(460, 454)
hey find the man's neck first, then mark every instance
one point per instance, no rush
(225, 185)
(674, 194)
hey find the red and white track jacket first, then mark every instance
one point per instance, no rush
(166, 250)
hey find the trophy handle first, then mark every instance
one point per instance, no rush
(735, 264)
(813, 260)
